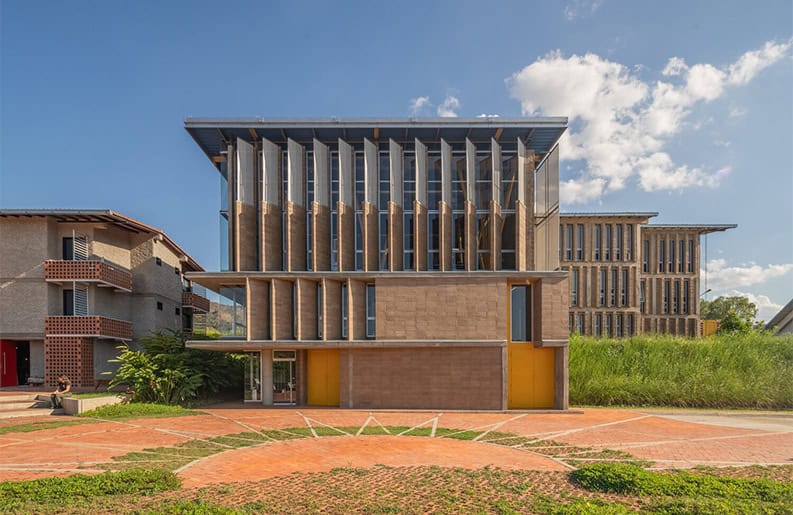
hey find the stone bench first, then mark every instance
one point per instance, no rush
(75, 406)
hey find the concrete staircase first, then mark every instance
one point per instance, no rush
(13, 405)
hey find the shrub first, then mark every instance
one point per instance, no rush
(167, 372)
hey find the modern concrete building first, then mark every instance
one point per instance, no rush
(391, 263)
(782, 323)
(74, 284)
(628, 276)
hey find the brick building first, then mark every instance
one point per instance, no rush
(628, 276)
(391, 263)
(77, 283)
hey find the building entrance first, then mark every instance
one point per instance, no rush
(284, 377)
(8, 363)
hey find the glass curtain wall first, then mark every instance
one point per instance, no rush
(483, 191)
(229, 318)
(334, 212)
(358, 199)
(409, 195)
(309, 196)
(458, 210)
(383, 195)
(434, 175)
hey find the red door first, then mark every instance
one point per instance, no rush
(8, 363)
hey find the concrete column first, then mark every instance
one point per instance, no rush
(296, 208)
(420, 216)
(345, 208)
(271, 252)
(445, 207)
(371, 240)
(246, 232)
(561, 392)
(266, 357)
(524, 244)
(471, 242)
(395, 208)
(320, 209)
(357, 309)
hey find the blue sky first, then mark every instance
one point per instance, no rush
(94, 95)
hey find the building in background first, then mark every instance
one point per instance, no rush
(782, 323)
(74, 284)
(628, 276)
(391, 263)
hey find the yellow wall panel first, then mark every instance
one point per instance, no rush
(530, 375)
(323, 377)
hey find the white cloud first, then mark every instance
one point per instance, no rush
(580, 8)
(483, 115)
(449, 107)
(620, 124)
(418, 104)
(766, 308)
(722, 277)
(737, 112)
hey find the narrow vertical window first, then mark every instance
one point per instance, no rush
(646, 257)
(629, 324)
(344, 310)
(319, 311)
(671, 255)
(607, 253)
(607, 325)
(685, 296)
(690, 256)
(561, 241)
(520, 316)
(568, 245)
(602, 296)
(676, 298)
(570, 322)
(681, 259)
(68, 248)
(641, 296)
(294, 310)
(579, 323)
(666, 296)
(618, 249)
(613, 289)
(629, 242)
(596, 323)
(579, 244)
(624, 288)
(370, 311)
(618, 325)
(574, 288)
(68, 303)
(598, 240)
(661, 254)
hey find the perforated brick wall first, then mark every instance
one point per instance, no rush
(71, 356)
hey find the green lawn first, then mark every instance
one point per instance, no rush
(138, 410)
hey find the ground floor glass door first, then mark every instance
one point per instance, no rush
(253, 376)
(284, 377)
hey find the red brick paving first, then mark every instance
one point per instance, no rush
(643, 434)
(324, 454)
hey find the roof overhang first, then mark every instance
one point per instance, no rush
(538, 133)
(646, 215)
(104, 216)
(700, 228)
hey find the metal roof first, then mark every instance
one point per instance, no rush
(702, 228)
(615, 214)
(780, 317)
(539, 133)
(102, 216)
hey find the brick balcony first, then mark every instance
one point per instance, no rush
(88, 326)
(195, 301)
(88, 271)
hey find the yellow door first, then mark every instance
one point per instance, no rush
(530, 375)
(323, 377)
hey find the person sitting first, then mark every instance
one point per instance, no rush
(64, 390)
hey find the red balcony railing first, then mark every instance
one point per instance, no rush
(90, 326)
(195, 301)
(88, 271)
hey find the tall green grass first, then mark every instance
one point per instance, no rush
(742, 371)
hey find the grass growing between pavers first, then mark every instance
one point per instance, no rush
(383, 489)
(728, 371)
(40, 426)
(179, 455)
(138, 410)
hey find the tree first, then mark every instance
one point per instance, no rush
(720, 307)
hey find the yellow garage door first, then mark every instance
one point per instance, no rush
(323, 377)
(530, 375)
